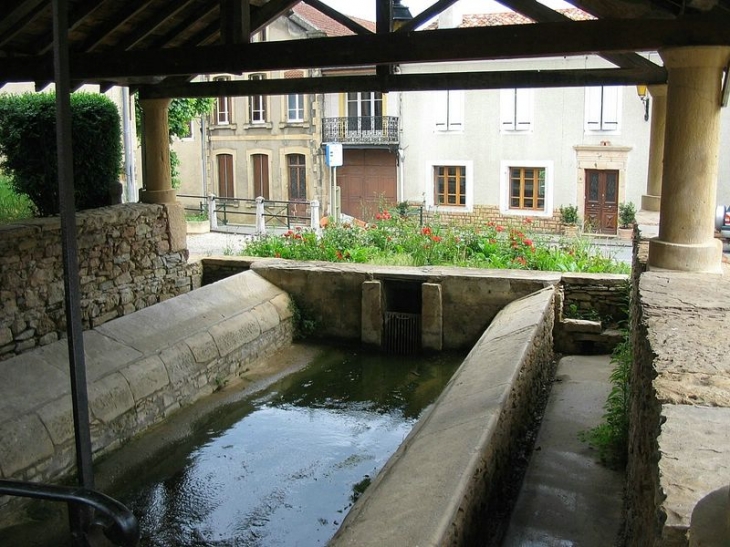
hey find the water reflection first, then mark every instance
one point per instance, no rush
(280, 469)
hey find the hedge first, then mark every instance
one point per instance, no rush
(28, 147)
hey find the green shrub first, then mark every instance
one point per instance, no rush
(569, 214)
(626, 214)
(13, 206)
(28, 147)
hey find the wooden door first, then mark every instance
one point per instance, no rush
(601, 203)
(367, 180)
(260, 175)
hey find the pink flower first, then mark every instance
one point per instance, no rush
(500, 228)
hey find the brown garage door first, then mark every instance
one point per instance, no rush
(367, 179)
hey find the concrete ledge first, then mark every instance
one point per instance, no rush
(141, 367)
(436, 489)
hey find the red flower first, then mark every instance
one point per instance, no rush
(277, 255)
(435, 239)
(426, 231)
(339, 255)
(288, 233)
(528, 242)
(500, 228)
(297, 236)
(528, 220)
(378, 216)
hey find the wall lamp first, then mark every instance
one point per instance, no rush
(643, 93)
(401, 14)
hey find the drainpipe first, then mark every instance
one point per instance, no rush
(203, 156)
(128, 147)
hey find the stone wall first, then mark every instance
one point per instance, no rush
(126, 263)
(449, 474)
(481, 215)
(140, 369)
(679, 442)
(332, 294)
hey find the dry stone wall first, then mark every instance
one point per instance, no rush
(126, 263)
(481, 215)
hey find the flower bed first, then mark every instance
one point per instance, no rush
(401, 241)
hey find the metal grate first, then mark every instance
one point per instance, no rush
(402, 333)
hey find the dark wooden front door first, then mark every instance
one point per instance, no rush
(601, 204)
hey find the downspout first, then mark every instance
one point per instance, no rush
(128, 148)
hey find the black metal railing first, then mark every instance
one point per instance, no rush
(117, 523)
(361, 130)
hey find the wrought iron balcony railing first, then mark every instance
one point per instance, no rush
(361, 130)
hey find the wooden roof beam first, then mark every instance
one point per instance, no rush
(406, 82)
(483, 43)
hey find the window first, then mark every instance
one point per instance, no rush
(365, 111)
(527, 188)
(257, 104)
(225, 175)
(603, 106)
(450, 185)
(223, 106)
(449, 110)
(189, 135)
(295, 108)
(516, 110)
(260, 175)
(297, 177)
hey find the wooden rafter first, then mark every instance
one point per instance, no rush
(407, 82)
(483, 43)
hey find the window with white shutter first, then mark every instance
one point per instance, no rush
(516, 110)
(449, 110)
(603, 109)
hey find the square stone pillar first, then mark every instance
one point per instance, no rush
(371, 327)
(432, 317)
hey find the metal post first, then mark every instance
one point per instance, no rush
(79, 518)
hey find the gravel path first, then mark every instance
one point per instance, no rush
(216, 244)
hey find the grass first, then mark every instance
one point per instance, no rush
(393, 240)
(13, 206)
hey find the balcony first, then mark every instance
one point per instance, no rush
(361, 130)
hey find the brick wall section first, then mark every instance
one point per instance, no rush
(125, 264)
(481, 215)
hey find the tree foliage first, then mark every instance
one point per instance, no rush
(28, 148)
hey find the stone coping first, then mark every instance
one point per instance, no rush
(140, 368)
(429, 487)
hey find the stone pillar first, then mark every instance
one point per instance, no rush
(651, 201)
(432, 317)
(371, 327)
(157, 174)
(689, 183)
(157, 178)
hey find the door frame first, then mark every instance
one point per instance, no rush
(600, 157)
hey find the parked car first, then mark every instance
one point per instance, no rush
(722, 222)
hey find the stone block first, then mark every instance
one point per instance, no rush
(57, 417)
(235, 332)
(372, 313)
(203, 347)
(25, 442)
(146, 376)
(283, 306)
(432, 316)
(267, 316)
(180, 364)
(110, 397)
(582, 325)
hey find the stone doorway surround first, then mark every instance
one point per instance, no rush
(600, 156)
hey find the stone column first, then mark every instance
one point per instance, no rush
(689, 183)
(651, 201)
(157, 173)
(432, 317)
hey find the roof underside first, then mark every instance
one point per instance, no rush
(159, 45)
